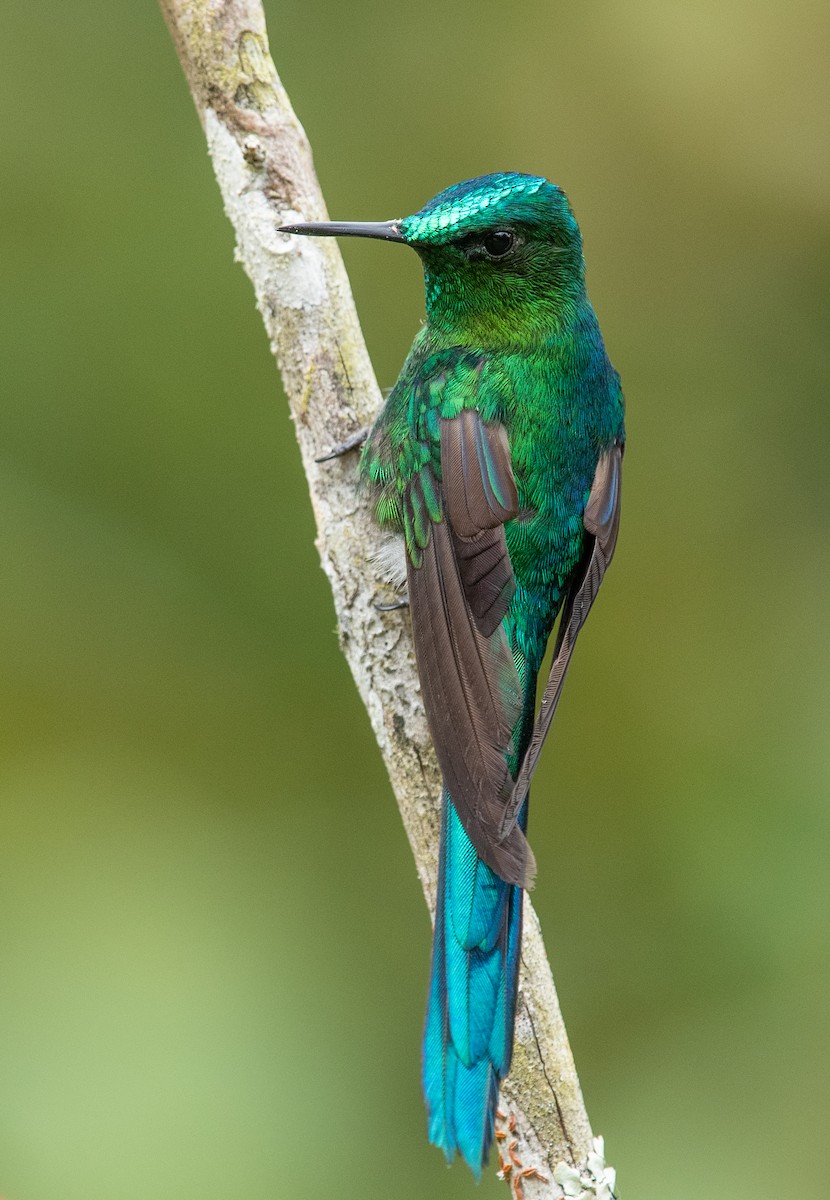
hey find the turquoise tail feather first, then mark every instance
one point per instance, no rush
(468, 1037)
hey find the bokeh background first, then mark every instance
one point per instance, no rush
(213, 946)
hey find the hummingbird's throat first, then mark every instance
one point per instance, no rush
(503, 312)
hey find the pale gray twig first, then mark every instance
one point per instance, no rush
(265, 173)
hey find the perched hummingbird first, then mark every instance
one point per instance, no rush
(497, 457)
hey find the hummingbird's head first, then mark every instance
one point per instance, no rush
(502, 258)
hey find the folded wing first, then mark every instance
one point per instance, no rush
(602, 522)
(458, 597)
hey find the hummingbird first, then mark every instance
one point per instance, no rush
(496, 459)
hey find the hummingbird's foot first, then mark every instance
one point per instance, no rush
(351, 443)
(393, 605)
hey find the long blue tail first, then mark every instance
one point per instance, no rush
(468, 1038)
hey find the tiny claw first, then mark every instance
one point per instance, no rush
(512, 1124)
(500, 1135)
(501, 1116)
(351, 443)
(393, 605)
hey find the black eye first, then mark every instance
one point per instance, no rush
(498, 243)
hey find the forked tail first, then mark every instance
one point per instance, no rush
(468, 1038)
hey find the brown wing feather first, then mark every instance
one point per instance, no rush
(486, 577)
(472, 698)
(477, 470)
(602, 521)
(480, 495)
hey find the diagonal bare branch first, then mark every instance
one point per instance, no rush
(264, 169)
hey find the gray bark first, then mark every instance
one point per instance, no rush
(265, 173)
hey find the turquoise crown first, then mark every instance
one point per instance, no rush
(476, 204)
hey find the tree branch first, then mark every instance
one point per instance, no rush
(264, 168)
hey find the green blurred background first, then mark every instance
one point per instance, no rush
(213, 946)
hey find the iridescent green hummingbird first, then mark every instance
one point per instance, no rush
(497, 458)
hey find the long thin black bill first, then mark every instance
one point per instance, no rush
(388, 231)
